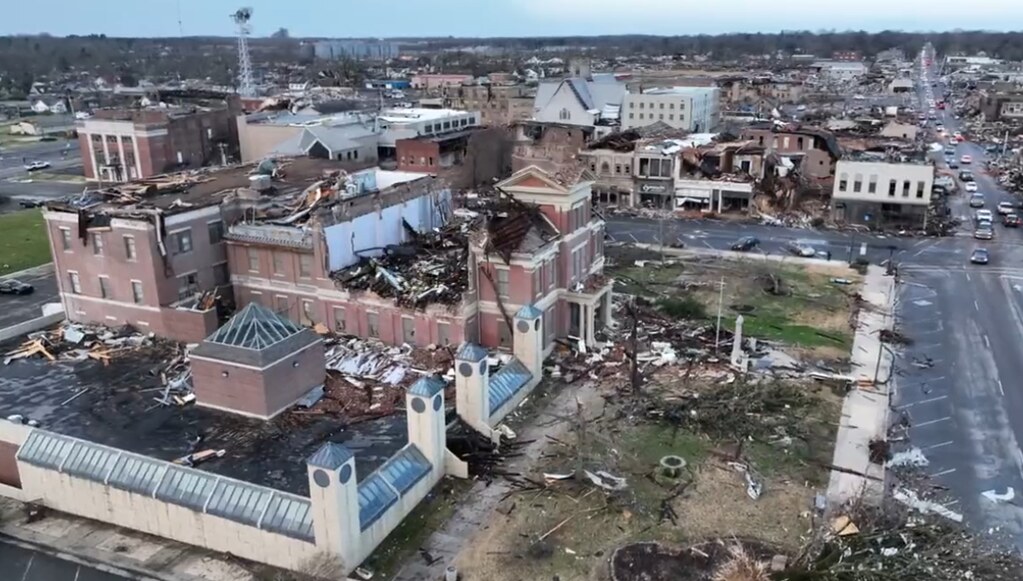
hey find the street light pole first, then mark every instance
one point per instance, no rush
(721, 300)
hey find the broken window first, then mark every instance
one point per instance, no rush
(502, 283)
(129, 247)
(188, 285)
(76, 283)
(905, 189)
(537, 282)
(504, 335)
(216, 232)
(340, 323)
(843, 182)
(799, 143)
(443, 333)
(221, 274)
(181, 242)
(65, 239)
(104, 287)
(408, 330)
(373, 325)
(281, 305)
(136, 291)
(920, 190)
(97, 243)
(307, 312)
(891, 188)
(253, 260)
(305, 266)
(278, 263)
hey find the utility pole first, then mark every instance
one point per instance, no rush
(721, 300)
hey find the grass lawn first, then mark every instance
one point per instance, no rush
(23, 241)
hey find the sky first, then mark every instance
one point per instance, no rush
(476, 18)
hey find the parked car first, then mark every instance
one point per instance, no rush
(966, 160)
(746, 243)
(1011, 221)
(798, 249)
(1006, 208)
(980, 256)
(13, 286)
(36, 165)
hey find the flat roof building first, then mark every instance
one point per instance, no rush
(695, 109)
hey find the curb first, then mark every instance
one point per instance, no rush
(41, 270)
(81, 558)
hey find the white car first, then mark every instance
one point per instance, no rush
(970, 187)
(37, 165)
(983, 216)
(1005, 208)
(966, 160)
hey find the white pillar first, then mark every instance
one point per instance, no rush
(334, 500)
(528, 340)
(472, 386)
(138, 159)
(92, 157)
(106, 150)
(424, 403)
(120, 151)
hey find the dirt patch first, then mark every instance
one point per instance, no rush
(656, 562)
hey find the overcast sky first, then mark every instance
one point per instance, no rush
(358, 18)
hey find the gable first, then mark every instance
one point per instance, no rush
(531, 177)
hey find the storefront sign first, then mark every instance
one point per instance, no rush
(653, 188)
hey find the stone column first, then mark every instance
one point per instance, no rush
(472, 384)
(424, 403)
(528, 339)
(738, 358)
(334, 499)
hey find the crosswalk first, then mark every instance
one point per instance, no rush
(970, 269)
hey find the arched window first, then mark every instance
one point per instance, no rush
(605, 168)
(564, 115)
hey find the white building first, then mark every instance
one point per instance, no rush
(882, 194)
(695, 109)
(841, 70)
(407, 123)
(578, 101)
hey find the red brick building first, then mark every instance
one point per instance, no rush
(120, 145)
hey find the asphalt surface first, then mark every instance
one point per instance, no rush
(18, 308)
(22, 564)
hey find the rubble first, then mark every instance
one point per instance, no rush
(76, 342)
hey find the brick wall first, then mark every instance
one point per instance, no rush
(418, 155)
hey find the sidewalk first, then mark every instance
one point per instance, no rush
(865, 410)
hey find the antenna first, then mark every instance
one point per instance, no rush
(246, 87)
(181, 29)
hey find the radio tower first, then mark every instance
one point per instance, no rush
(246, 87)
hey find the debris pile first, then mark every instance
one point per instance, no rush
(367, 380)
(432, 268)
(77, 342)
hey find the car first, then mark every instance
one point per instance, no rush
(13, 286)
(970, 187)
(983, 216)
(799, 249)
(1006, 208)
(977, 201)
(1011, 220)
(745, 244)
(966, 160)
(36, 165)
(950, 150)
(980, 256)
(984, 232)
(953, 165)
(966, 176)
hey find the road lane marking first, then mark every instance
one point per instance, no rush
(987, 342)
(707, 244)
(930, 422)
(1000, 389)
(975, 305)
(968, 280)
(923, 401)
(943, 472)
(633, 236)
(940, 445)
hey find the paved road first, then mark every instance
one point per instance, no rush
(16, 309)
(21, 564)
(960, 381)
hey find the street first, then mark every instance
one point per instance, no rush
(24, 564)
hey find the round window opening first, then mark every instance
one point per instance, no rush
(436, 403)
(465, 369)
(321, 479)
(346, 474)
(418, 405)
(483, 366)
(536, 325)
(522, 326)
